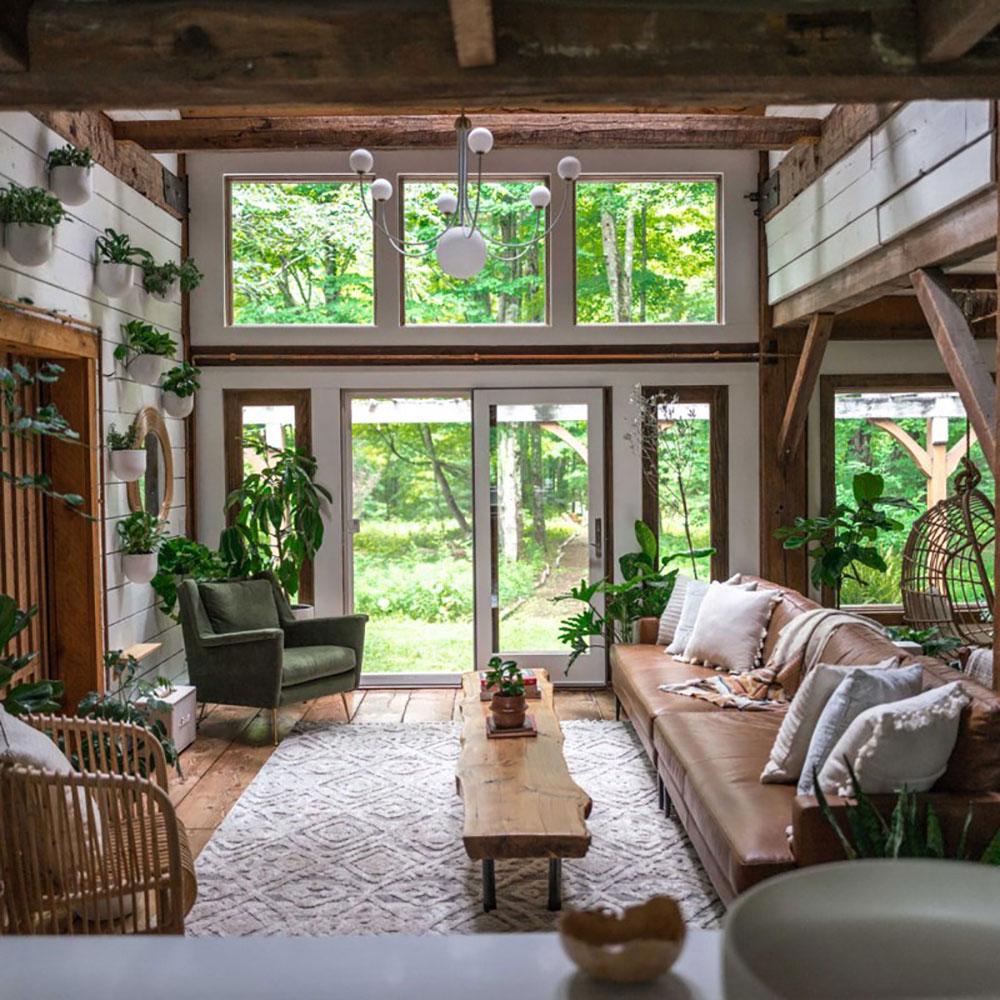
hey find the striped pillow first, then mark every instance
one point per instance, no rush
(672, 612)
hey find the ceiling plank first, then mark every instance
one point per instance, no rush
(793, 423)
(550, 55)
(13, 36)
(410, 132)
(321, 111)
(472, 22)
(961, 357)
(950, 28)
(965, 232)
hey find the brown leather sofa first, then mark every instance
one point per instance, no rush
(709, 759)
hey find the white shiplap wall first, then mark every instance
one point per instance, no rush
(928, 156)
(66, 283)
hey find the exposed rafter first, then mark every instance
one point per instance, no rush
(472, 21)
(950, 28)
(961, 357)
(551, 55)
(13, 36)
(793, 423)
(438, 131)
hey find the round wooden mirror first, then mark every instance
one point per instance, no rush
(154, 490)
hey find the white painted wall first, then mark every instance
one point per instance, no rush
(929, 156)
(66, 283)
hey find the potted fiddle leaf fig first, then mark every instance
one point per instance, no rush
(140, 535)
(71, 174)
(128, 461)
(179, 386)
(114, 267)
(163, 280)
(507, 706)
(144, 350)
(30, 216)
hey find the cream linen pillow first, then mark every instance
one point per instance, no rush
(729, 631)
(903, 743)
(694, 594)
(788, 754)
(671, 616)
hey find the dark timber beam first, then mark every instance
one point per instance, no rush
(793, 423)
(472, 22)
(400, 54)
(950, 28)
(14, 36)
(570, 131)
(961, 357)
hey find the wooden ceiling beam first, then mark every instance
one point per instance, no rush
(950, 28)
(551, 55)
(961, 357)
(793, 423)
(472, 22)
(14, 36)
(438, 131)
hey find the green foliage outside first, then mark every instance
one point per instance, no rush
(684, 473)
(504, 291)
(302, 254)
(646, 252)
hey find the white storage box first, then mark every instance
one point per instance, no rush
(180, 718)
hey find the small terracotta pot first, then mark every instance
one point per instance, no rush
(509, 712)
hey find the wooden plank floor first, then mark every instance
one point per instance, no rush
(234, 743)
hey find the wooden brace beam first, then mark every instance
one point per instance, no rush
(793, 423)
(961, 356)
(950, 28)
(472, 22)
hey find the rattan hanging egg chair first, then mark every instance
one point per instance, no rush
(946, 580)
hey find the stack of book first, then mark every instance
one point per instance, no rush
(530, 686)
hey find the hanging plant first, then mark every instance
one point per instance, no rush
(179, 386)
(162, 280)
(114, 263)
(128, 461)
(30, 216)
(71, 174)
(143, 350)
(140, 535)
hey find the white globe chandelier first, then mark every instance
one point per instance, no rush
(462, 248)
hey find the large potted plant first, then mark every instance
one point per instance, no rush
(128, 462)
(144, 350)
(180, 558)
(178, 388)
(140, 535)
(114, 266)
(507, 706)
(71, 174)
(30, 216)
(277, 518)
(841, 542)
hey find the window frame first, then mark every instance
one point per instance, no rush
(829, 387)
(229, 324)
(402, 179)
(717, 398)
(645, 178)
(233, 402)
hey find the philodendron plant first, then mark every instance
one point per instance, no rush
(141, 535)
(30, 216)
(143, 350)
(160, 279)
(179, 386)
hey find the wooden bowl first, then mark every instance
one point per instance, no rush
(634, 946)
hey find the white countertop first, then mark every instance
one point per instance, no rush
(467, 967)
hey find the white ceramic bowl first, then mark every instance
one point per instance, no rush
(147, 368)
(176, 406)
(71, 185)
(141, 567)
(30, 243)
(113, 278)
(872, 929)
(128, 464)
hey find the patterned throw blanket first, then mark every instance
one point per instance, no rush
(799, 648)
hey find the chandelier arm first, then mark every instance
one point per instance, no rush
(479, 190)
(399, 244)
(538, 237)
(527, 248)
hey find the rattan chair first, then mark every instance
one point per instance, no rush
(100, 851)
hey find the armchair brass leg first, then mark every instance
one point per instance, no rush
(274, 725)
(347, 708)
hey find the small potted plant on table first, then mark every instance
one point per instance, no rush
(179, 386)
(144, 350)
(30, 216)
(114, 268)
(507, 707)
(140, 534)
(128, 462)
(71, 174)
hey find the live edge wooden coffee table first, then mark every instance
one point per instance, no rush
(520, 799)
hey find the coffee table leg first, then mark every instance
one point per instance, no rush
(489, 885)
(555, 883)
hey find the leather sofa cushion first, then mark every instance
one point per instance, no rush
(239, 605)
(302, 664)
(719, 757)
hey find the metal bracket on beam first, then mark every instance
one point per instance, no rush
(767, 196)
(175, 192)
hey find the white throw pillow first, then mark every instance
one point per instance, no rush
(672, 612)
(788, 755)
(23, 744)
(730, 629)
(903, 743)
(694, 594)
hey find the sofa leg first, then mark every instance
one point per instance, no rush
(668, 807)
(618, 710)
(347, 707)
(274, 725)
(661, 793)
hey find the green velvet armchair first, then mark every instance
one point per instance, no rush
(245, 647)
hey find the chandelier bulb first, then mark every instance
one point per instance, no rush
(569, 168)
(540, 197)
(381, 189)
(447, 203)
(480, 140)
(362, 161)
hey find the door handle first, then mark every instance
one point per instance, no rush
(598, 541)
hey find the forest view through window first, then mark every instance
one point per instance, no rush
(301, 253)
(646, 252)
(914, 440)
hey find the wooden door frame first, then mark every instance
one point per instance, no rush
(76, 577)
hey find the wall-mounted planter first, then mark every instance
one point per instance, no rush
(169, 293)
(140, 568)
(146, 368)
(30, 243)
(176, 406)
(71, 185)
(128, 464)
(114, 279)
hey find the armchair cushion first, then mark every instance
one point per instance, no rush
(308, 663)
(240, 605)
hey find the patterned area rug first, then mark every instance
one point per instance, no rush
(356, 829)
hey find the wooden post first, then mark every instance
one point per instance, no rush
(793, 424)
